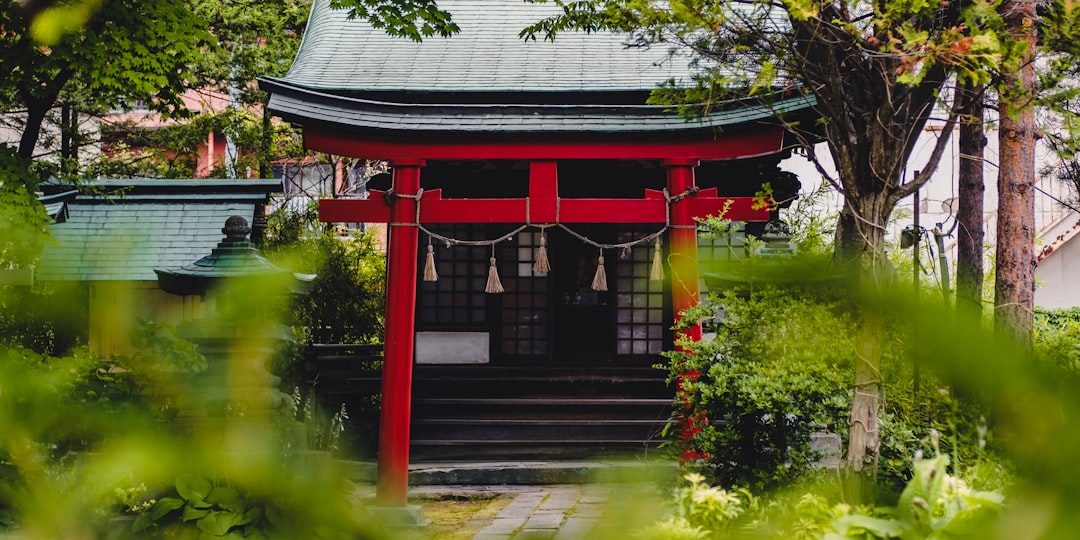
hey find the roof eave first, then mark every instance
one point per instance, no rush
(309, 107)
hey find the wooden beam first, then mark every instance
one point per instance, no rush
(721, 146)
(435, 209)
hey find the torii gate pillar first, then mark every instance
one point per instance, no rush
(685, 292)
(392, 483)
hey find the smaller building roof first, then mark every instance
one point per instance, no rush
(120, 230)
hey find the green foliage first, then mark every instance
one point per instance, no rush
(100, 58)
(173, 151)
(412, 19)
(257, 39)
(41, 317)
(745, 41)
(198, 506)
(934, 504)
(1056, 338)
(24, 225)
(160, 349)
(700, 511)
(778, 367)
(104, 56)
(347, 296)
(777, 370)
(87, 439)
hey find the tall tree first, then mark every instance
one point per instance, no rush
(877, 69)
(257, 38)
(125, 51)
(86, 57)
(969, 215)
(1014, 285)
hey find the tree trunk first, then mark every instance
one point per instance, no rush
(1014, 287)
(969, 216)
(861, 244)
(35, 118)
(38, 102)
(266, 140)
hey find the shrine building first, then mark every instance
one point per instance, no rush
(505, 151)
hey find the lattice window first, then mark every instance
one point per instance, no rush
(457, 300)
(525, 328)
(640, 302)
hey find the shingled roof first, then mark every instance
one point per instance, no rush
(486, 56)
(123, 229)
(486, 79)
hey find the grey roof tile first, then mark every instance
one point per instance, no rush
(159, 224)
(420, 87)
(487, 55)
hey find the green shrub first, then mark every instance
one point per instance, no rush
(700, 511)
(776, 371)
(780, 368)
(86, 440)
(933, 504)
(1056, 338)
(347, 297)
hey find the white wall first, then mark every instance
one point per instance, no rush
(937, 205)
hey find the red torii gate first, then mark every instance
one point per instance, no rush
(542, 206)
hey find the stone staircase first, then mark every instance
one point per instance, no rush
(537, 412)
(487, 413)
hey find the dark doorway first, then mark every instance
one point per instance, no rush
(584, 329)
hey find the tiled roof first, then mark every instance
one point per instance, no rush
(151, 224)
(307, 107)
(350, 76)
(485, 56)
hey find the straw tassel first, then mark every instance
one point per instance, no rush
(429, 265)
(494, 286)
(657, 273)
(541, 264)
(599, 282)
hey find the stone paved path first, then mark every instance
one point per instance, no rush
(563, 512)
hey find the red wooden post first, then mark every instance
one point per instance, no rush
(392, 484)
(685, 291)
(683, 236)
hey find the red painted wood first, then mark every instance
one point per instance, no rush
(543, 191)
(372, 210)
(680, 162)
(392, 482)
(683, 252)
(763, 141)
(611, 211)
(707, 203)
(435, 209)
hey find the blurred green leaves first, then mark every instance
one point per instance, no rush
(51, 25)
(79, 436)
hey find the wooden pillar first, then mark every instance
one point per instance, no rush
(392, 485)
(685, 292)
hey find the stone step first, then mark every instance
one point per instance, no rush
(521, 472)
(536, 429)
(553, 408)
(557, 411)
(425, 450)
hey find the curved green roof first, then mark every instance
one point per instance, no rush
(339, 54)
(349, 76)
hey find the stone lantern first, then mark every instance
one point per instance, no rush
(237, 336)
